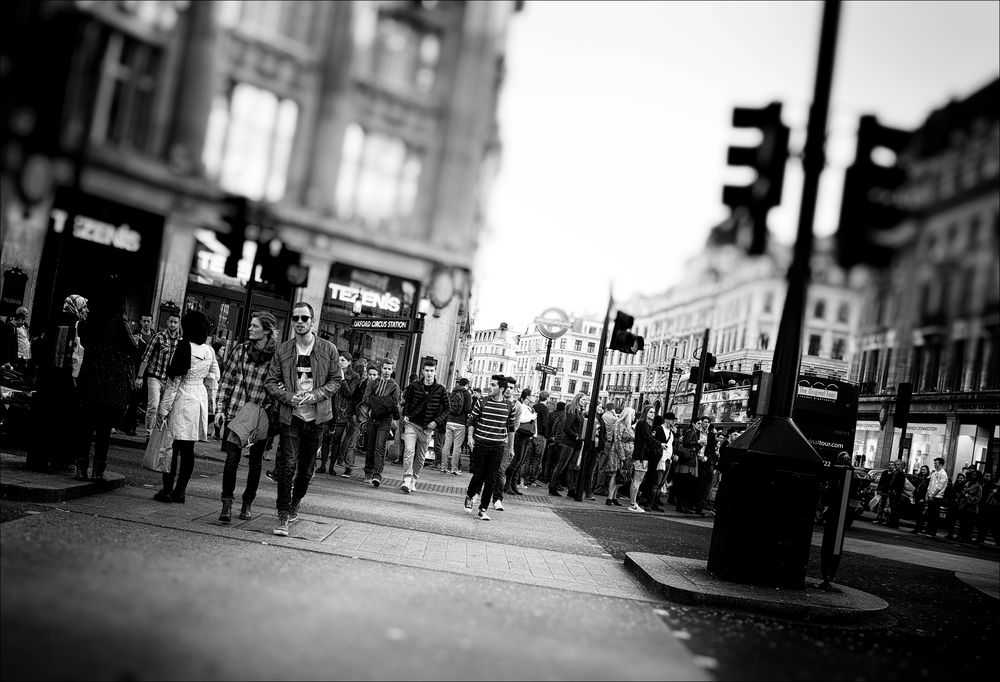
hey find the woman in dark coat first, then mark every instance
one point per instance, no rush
(106, 377)
(54, 400)
(647, 450)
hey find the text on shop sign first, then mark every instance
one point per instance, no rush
(88, 229)
(821, 393)
(386, 301)
(400, 325)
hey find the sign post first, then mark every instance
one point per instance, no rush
(552, 323)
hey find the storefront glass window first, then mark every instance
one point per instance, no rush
(972, 445)
(927, 443)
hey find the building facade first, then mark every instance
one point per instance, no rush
(574, 355)
(491, 351)
(932, 319)
(363, 134)
(739, 299)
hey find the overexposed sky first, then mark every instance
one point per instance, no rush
(616, 118)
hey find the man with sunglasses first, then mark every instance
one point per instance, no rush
(303, 376)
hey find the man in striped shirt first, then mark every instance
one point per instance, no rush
(492, 425)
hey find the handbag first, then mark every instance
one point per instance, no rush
(622, 473)
(159, 449)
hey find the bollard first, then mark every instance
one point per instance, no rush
(841, 478)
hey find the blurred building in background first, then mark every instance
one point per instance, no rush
(739, 299)
(933, 318)
(363, 134)
(491, 351)
(574, 355)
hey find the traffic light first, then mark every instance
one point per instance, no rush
(282, 269)
(237, 216)
(868, 210)
(622, 339)
(752, 202)
(710, 376)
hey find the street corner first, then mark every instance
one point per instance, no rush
(688, 581)
(22, 485)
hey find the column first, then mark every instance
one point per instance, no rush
(195, 88)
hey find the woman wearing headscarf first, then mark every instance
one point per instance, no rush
(242, 383)
(622, 444)
(55, 389)
(192, 377)
(106, 376)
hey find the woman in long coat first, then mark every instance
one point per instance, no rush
(622, 442)
(192, 377)
(647, 448)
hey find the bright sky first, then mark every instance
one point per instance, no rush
(616, 117)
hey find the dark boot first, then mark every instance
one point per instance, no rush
(245, 512)
(227, 510)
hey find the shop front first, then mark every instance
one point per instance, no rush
(223, 298)
(927, 441)
(866, 435)
(372, 315)
(89, 237)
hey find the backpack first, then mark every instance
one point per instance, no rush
(456, 403)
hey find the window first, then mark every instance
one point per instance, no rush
(585, 387)
(562, 344)
(578, 345)
(557, 384)
(379, 177)
(575, 367)
(814, 343)
(123, 110)
(763, 341)
(819, 309)
(395, 52)
(768, 301)
(572, 385)
(591, 347)
(559, 362)
(588, 369)
(839, 348)
(249, 142)
(843, 312)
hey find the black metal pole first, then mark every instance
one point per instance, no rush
(788, 347)
(702, 368)
(587, 461)
(548, 353)
(670, 380)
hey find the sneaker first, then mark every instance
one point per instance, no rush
(368, 479)
(405, 485)
(456, 472)
(376, 482)
(636, 508)
(483, 516)
(282, 527)
(293, 513)
(445, 472)
(498, 505)
(269, 475)
(346, 474)
(413, 484)
(468, 505)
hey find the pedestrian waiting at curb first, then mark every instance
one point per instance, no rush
(459, 409)
(243, 383)
(968, 502)
(189, 394)
(379, 407)
(105, 377)
(645, 453)
(303, 376)
(568, 439)
(936, 486)
(622, 445)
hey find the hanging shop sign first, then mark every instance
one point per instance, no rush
(387, 324)
(97, 231)
(375, 293)
(372, 299)
(868, 426)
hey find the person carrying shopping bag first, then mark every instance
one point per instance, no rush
(192, 377)
(242, 383)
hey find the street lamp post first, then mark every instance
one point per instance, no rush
(422, 309)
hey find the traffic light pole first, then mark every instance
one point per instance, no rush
(702, 370)
(788, 347)
(548, 354)
(587, 461)
(670, 381)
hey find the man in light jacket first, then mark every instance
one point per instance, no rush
(303, 376)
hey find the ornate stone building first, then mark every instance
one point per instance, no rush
(363, 133)
(932, 319)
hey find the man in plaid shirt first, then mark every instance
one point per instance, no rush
(154, 365)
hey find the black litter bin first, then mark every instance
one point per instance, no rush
(765, 506)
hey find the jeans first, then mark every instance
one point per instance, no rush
(233, 455)
(94, 426)
(348, 443)
(565, 453)
(183, 450)
(415, 441)
(454, 439)
(332, 437)
(533, 459)
(154, 391)
(296, 459)
(488, 458)
(378, 434)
